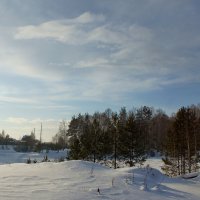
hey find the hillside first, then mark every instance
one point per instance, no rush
(80, 180)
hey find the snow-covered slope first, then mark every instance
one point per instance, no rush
(80, 180)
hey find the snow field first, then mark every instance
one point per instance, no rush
(8, 155)
(73, 180)
(80, 180)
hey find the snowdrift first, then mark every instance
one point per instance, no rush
(190, 175)
(81, 180)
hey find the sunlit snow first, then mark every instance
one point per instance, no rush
(80, 180)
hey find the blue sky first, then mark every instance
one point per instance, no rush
(59, 58)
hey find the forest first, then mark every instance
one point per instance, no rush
(133, 135)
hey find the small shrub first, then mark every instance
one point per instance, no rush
(28, 161)
(45, 159)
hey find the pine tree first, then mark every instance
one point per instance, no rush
(115, 131)
(181, 148)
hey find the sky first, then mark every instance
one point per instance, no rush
(60, 58)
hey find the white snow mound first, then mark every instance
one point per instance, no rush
(80, 180)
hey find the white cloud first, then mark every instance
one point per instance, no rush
(98, 62)
(16, 120)
(17, 100)
(131, 56)
(86, 29)
(87, 17)
(120, 34)
(52, 62)
(55, 30)
(70, 31)
(127, 46)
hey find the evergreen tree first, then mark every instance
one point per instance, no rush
(143, 120)
(115, 131)
(181, 148)
(159, 128)
(75, 148)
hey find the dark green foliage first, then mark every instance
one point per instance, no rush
(182, 142)
(106, 135)
(6, 140)
(75, 148)
(159, 128)
(28, 143)
(132, 135)
(144, 122)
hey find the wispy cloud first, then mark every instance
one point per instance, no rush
(71, 31)
(16, 120)
(94, 63)
(119, 49)
(128, 55)
(21, 120)
(21, 100)
(57, 60)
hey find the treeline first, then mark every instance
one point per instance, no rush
(132, 135)
(127, 135)
(28, 143)
(182, 146)
(5, 139)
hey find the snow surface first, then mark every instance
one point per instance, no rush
(8, 155)
(73, 180)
